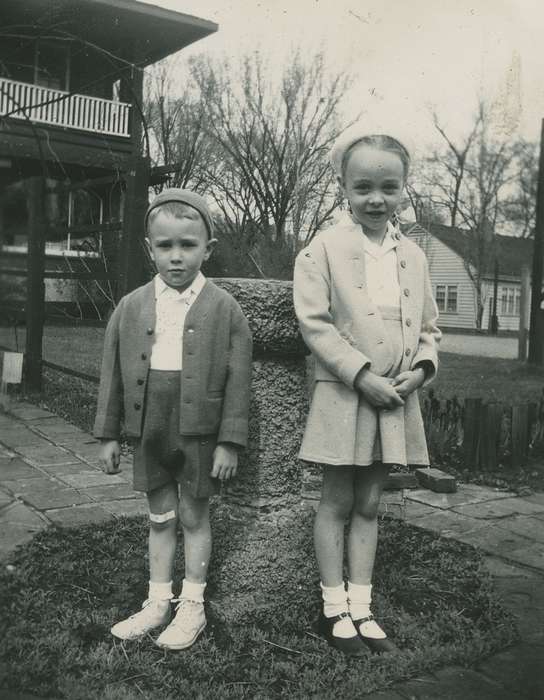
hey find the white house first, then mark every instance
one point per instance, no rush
(455, 292)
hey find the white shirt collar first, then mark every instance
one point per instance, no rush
(195, 288)
(389, 242)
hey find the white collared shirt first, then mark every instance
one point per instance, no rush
(171, 308)
(382, 277)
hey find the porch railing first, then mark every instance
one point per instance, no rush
(60, 108)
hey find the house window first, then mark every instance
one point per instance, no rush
(451, 299)
(52, 65)
(446, 298)
(510, 298)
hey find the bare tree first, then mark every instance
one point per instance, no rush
(176, 124)
(472, 181)
(274, 136)
(520, 204)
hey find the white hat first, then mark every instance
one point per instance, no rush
(368, 127)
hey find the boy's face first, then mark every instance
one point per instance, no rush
(179, 247)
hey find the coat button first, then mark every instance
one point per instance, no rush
(137, 406)
(190, 330)
(407, 352)
(406, 292)
(149, 331)
(403, 263)
(144, 356)
(408, 322)
(139, 382)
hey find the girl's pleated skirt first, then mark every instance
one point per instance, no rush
(338, 435)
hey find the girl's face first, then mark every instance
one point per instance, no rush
(373, 183)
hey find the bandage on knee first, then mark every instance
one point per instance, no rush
(162, 517)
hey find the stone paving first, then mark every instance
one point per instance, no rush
(49, 476)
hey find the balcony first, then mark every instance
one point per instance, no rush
(59, 108)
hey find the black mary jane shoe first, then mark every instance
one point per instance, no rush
(376, 646)
(350, 646)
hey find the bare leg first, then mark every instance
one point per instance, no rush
(195, 520)
(363, 534)
(163, 507)
(334, 508)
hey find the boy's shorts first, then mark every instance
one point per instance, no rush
(161, 454)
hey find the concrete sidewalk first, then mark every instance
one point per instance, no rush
(49, 475)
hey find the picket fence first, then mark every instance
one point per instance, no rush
(484, 433)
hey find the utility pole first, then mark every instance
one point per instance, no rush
(536, 330)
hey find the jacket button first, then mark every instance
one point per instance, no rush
(190, 330)
(408, 322)
(149, 331)
(403, 263)
(137, 406)
(144, 356)
(407, 352)
(406, 292)
(139, 382)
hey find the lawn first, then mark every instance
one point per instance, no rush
(80, 348)
(65, 588)
(460, 376)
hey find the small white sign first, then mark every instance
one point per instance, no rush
(12, 369)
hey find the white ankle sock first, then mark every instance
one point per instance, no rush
(192, 591)
(335, 602)
(359, 597)
(159, 590)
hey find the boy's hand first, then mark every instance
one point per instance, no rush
(407, 382)
(378, 391)
(225, 461)
(110, 456)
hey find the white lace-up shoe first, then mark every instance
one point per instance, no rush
(154, 613)
(185, 628)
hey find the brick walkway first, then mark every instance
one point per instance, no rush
(49, 475)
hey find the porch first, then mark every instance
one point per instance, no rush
(45, 105)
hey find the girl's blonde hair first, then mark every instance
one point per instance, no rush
(381, 142)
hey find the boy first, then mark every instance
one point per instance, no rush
(177, 362)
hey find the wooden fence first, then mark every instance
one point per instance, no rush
(483, 434)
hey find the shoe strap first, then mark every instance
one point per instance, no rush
(336, 618)
(362, 620)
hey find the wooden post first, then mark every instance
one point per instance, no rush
(35, 286)
(520, 435)
(524, 312)
(536, 329)
(131, 261)
(490, 429)
(471, 432)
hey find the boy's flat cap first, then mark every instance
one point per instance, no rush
(174, 194)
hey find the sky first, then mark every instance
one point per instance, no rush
(407, 56)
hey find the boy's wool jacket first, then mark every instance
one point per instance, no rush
(342, 326)
(216, 374)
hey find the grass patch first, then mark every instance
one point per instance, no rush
(489, 378)
(69, 585)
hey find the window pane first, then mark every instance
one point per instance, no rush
(504, 300)
(441, 297)
(452, 299)
(518, 302)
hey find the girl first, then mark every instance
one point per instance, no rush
(366, 311)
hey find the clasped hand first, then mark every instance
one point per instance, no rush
(387, 393)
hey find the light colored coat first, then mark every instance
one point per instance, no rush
(345, 331)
